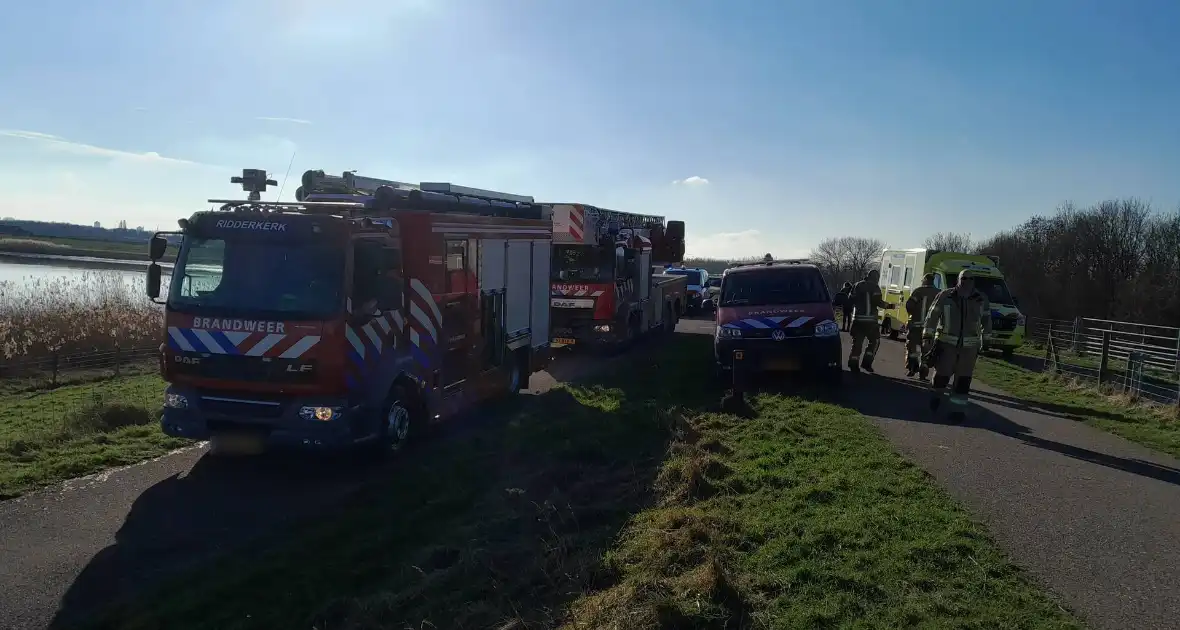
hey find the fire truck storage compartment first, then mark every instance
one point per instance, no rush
(540, 322)
(520, 287)
(491, 264)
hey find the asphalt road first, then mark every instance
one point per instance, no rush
(68, 548)
(1093, 517)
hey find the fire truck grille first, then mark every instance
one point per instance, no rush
(248, 369)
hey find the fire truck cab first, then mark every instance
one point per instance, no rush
(607, 285)
(341, 319)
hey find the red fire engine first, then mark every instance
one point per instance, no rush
(603, 290)
(341, 318)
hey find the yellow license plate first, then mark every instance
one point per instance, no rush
(563, 341)
(781, 365)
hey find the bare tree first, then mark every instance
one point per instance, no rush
(861, 254)
(846, 258)
(1114, 260)
(950, 242)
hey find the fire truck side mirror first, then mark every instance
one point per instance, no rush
(157, 246)
(154, 273)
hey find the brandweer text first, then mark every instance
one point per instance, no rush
(246, 325)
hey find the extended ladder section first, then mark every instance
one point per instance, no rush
(586, 225)
(350, 194)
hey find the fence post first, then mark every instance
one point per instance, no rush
(1104, 359)
(1077, 336)
(1176, 363)
(53, 370)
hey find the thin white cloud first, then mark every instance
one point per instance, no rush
(691, 181)
(296, 121)
(78, 148)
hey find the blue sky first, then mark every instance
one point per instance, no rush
(766, 125)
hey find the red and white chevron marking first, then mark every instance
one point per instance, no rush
(375, 336)
(425, 318)
(577, 222)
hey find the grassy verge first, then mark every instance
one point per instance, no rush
(64, 433)
(114, 250)
(631, 502)
(1154, 426)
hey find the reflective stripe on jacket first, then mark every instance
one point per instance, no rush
(866, 298)
(919, 304)
(959, 320)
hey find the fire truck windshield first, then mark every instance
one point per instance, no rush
(289, 280)
(583, 263)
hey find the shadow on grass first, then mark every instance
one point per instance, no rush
(504, 519)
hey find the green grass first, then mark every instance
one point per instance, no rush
(116, 250)
(635, 501)
(53, 435)
(1154, 426)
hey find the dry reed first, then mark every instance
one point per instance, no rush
(98, 311)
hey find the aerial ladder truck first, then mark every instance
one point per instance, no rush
(607, 287)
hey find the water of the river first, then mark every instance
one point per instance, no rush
(20, 273)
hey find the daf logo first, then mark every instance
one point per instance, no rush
(778, 335)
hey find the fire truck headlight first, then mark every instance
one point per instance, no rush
(175, 401)
(827, 329)
(322, 414)
(604, 328)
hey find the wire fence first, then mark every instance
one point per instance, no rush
(1139, 360)
(55, 370)
(51, 402)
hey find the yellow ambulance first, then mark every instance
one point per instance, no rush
(902, 270)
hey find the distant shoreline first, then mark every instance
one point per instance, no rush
(78, 262)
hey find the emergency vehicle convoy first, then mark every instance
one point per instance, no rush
(342, 318)
(604, 291)
(902, 270)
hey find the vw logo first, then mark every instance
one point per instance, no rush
(778, 335)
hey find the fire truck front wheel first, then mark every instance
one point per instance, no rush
(395, 420)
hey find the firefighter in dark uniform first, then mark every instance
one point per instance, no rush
(958, 322)
(917, 306)
(865, 300)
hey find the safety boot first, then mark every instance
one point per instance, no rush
(923, 373)
(911, 367)
(866, 364)
(852, 365)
